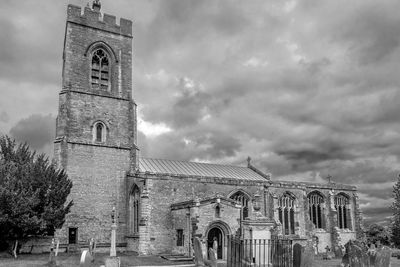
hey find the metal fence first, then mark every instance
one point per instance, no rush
(259, 252)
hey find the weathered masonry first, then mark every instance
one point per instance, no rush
(161, 204)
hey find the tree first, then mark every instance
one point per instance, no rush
(378, 232)
(33, 193)
(396, 214)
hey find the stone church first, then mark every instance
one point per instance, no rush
(161, 204)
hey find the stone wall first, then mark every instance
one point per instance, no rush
(164, 192)
(98, 185)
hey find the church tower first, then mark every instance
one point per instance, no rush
(96, 124)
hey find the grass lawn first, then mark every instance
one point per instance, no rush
(72, 260)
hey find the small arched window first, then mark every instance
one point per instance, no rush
(343, 212)
(100, 70)
(217, 211)
(316, 209)
(286, 214)
(243, 200)
(99, 132)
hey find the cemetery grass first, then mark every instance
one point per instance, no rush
(72, 260)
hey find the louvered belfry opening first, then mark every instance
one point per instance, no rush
(100, 70)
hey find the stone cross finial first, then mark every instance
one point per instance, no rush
(329, 177)
(96, 5)
(248, 161)
(113, 215)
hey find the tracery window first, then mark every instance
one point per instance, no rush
(243, 200)
(100, 70)
(343, 212)
(99, 132)
(134, 209)
(286, 214)
(316, 209)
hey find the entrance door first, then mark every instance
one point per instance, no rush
(72, 235)
(215, 234)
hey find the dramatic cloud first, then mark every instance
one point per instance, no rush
(306, 94)
(37, 130)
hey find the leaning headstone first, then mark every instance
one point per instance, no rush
(198, 254)
(57, 247)
(86, 259)
(382, 258)
(307, 257)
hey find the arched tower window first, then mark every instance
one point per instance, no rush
(243, 200)
(286, 214)
(316, 209)
(100, 70)
(134, 209)
(217, 211)
(343, 212)
(99, 132)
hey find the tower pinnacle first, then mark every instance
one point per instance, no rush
(96, 5)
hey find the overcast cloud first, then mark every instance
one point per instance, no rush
(306, 88)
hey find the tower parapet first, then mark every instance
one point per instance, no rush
(95, 19)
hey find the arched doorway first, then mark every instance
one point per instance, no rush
(215, 234)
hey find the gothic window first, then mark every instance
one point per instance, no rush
(134, 209)
(99, 132)
(243, 200)
(100, 70)
(343, 212)
(316, 209)
(286, 214)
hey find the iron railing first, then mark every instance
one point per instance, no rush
(259, 252)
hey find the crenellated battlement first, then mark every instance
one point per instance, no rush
(95, 19)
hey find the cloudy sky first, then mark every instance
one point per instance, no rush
(306, 88)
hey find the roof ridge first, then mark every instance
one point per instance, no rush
(227, 165)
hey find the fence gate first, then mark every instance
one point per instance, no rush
(259, 252)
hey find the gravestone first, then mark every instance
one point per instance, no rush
(382, 258)
(372, 255)
(198, 255)
(113, 262)
(338, 251)
(52, 256)
(86, 259)
(307, 257)
(356, 255)
(92, 248)
(212, 256)
(297, 255)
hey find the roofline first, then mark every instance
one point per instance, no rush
(202, 202)
(196, 178)
(331, 186)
